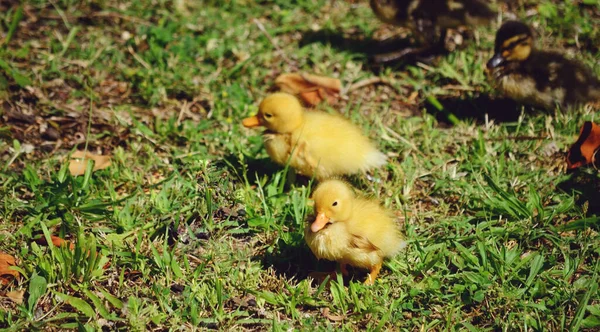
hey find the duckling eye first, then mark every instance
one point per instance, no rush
(334, 203)
(268, 115)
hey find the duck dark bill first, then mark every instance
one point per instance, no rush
(496, 61)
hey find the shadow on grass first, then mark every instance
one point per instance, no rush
(365, 46)
(258, 168)
(356, 43)
(255, 167)
(586, 187)
(294, 260)
(499, 110)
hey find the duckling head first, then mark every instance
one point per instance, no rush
(514, 42)
(279, 112)
(333, 203)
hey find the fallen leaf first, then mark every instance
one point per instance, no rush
(6, 261)
(27, 148)
(584, 151)
(78, 162)
(413, 97)
(313, 89)
(133, 275)
(331, 317)
(106, 266)
(246, 301)
(56, 241)
(16, 296)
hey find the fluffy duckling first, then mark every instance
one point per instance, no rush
(314, 143)
(351, 230)
(535, 77)
(430, 19)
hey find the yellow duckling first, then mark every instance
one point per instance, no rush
(314, 143)
(351, 230)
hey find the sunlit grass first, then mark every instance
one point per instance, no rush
(192, 227)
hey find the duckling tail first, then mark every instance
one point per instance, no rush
(480, 9)
(375, 159)
(479, 13)
(401, 245)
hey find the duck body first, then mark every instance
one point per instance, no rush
(354, 242)
(326, 145)
(430, 21)
(318, 144)
(420, 14)
(536, 77)
(547, 79)
(351, 230)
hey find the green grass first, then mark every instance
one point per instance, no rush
(193, 227)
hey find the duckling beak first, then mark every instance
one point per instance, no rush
(253, 121)
(319, 223)
(496, 61)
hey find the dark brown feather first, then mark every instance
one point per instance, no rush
(536, 77)
(430, 19)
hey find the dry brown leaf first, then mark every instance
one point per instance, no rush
(331, 317)
(56, 241)
(413, 97)
(6, 261)
(16, 296)
(584, 151)
(313, 89)
(329, 83)
(78, 162)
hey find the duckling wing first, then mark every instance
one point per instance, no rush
(362, 243)
(361, 252)
(278, 146)
(548, 78)
(582, 85)
(302, 160)
(283, 148)
(337, 146)
(377, 226)
(332, 243)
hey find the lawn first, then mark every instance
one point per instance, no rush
(192, 227)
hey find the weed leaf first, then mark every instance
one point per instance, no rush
(37, 288)
(77, 303)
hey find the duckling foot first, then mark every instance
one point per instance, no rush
(321, 276)
(291, 177)
(373, 275)
(343, 268)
